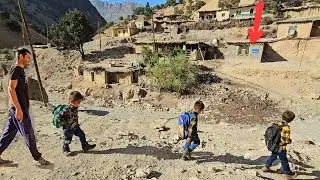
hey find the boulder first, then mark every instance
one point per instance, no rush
(143, 173)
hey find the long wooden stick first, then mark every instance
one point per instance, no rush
(32, 52)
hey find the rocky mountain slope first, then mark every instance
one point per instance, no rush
(41, 12)
(112, 11)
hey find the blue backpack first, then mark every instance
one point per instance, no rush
(184, 123)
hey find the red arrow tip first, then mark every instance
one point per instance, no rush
(255, 35)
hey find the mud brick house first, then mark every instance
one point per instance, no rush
(195, 50)
(299, 28)
(302, 11)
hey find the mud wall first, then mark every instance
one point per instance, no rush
(295, 50)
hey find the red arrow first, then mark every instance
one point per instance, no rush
(255, 32)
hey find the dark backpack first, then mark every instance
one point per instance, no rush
(272, 137)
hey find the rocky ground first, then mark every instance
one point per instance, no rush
(135, 129)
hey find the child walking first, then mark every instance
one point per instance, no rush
(188, 129)
(281, 151)
(68, 117)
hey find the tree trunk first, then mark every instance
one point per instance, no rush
(81, 51)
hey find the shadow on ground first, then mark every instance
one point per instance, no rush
(95, 112)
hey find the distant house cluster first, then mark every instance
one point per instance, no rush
(211, 11)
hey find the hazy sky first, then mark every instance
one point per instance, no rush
(143, 2)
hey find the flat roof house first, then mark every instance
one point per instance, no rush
(299, 28)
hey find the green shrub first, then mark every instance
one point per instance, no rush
(5, 15)
(14, 25)
(149, 59)
(198, 5)
(4, 51)
(175, 73)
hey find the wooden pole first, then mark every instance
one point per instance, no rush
(47, 33)
(153, 32)
(201, 52)
(99, 35)
(304, 49)
(32, 51)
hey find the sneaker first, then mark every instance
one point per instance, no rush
(266, 169)
(42, 161)
(292, 175)
(186, 155)
(66, 150)
(67, 153)
(2, 161)
(88, 147)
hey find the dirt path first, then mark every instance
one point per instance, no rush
(127, 141)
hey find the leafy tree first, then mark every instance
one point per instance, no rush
(157, 7)
(181, 1)
(171, 2)
(72, 31)
(198, 5)
(133, 16)
(139, 11)
(148, 9)
(5, 15)
(274, 6)
(13, 25)
(227, 4)
(178, 11)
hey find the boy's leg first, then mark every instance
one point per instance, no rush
(272, 158)
(85, 146)
(9, 132)
(79, 132)
(186, 151)
(68, 133)
(284, 162)
(195, 143)
(26, 130)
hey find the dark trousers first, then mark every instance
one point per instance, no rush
(282, 154)
(26, 130)
(69, 132)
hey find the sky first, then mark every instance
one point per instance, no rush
(143, 2)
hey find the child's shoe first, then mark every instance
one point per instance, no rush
(266, 169)
(186, 155)
(87, 147)
(44, 162)
(66, 151)
(292, 175)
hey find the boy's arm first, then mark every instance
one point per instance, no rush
(64, 116)
(285, 135)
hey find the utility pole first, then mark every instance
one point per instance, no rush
(47, 33)
(99, 34)
(153, 34)
(32, 51)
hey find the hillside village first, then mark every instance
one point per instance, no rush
(132, 117)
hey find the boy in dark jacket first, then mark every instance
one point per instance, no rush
(287, 117)
(69, 119)
(192, 141)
